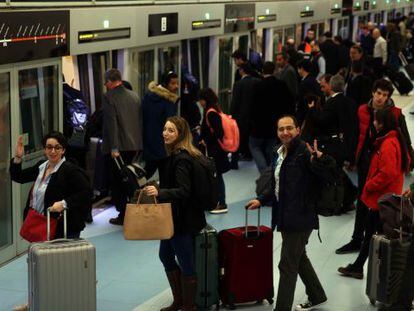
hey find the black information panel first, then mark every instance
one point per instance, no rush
(366, 5)
(347, 7)
(206, 24)
(28, 36)
(239, 17)
(162, 24)
(104, 35)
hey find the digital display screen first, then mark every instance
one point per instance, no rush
(336, 10)
(206, 24)
(266, 18)
(103, 35)
(26, 36)
(306, 13)
(347, 7)
(162, 24)
(239, 17)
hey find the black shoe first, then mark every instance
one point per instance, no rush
(394, 308)
(352, 272)
(309, 305)
(351, 247)
(116, 221)
(89, 218)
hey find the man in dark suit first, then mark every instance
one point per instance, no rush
(307, 86)
(330, 52)
(242, 100)
(359, 85)
(122, 134)
(272, 100)
(287, 73)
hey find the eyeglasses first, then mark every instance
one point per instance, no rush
(51, 147)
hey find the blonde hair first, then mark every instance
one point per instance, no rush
(184, 140)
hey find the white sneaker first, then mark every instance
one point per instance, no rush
(308, 306)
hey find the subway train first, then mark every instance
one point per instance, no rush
(46, 44)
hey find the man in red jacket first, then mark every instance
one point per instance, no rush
(381, 99)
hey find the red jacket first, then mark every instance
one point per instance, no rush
(385, 174)
(364, 118)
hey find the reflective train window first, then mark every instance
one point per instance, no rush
(167, 60)
(6, 219)
(277, 41)
(343, 28)
(145, 70)
(38, 97)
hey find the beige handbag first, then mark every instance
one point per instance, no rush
(148, 221)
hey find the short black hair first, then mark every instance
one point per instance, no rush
(305, 64)
(113, 75)
(358, 48)
(247, 68)
(328, 34)
(339, 39)
(167, 77)
(383, 85)
(61, 139)
(295, 121)
(269, 68)
(327, 77)
(239, 55)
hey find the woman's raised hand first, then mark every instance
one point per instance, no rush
(19, 152)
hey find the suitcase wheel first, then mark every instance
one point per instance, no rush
(270, 301)
(372, 301)
(232, 307)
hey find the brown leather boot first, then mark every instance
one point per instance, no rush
(189, 293)
(174, 278)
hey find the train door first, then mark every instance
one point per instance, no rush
(280, 36)
(141, 66)
(195, 60)
(8, 245)
(340, 27)
(30, 101)
(226, 71)
(318, 27)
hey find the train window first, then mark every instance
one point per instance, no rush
(195, 59)
(84, 77)
(225, 72)
(100, 64)
(205, 61)
(289, 33)
(38, 97)
(145, 70)
(167, 60)
(244, 44)
(6, 219)
(277, 42)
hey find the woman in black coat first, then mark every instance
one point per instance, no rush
(58, 184)
(176, 178)
(211, 133)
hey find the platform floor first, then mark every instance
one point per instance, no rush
(130, 276)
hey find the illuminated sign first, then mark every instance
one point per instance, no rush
(306, 13)
(266, 18)
(239, 17)
(206, 24)
(33, 35)
(103, 35)
(162, 24)
(336, 10)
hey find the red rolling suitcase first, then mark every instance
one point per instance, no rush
(246, 264)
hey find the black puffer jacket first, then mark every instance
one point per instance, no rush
(299, 188)
(176, 187)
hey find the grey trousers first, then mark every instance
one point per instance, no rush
(294, 261)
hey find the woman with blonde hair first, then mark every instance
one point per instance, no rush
(176, 187)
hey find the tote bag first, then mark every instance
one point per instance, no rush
(148, 221)
(34, 228)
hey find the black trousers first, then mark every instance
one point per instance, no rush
(371, 227)
(361, 210)
(119, 196)
(294, 262)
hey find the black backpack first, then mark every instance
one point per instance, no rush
(205, 183)
(76, 116)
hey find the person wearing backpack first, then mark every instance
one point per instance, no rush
(177, 187)
(211, 135)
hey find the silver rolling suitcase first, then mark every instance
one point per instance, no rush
(62, 274)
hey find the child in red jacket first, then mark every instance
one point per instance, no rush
(388, 164)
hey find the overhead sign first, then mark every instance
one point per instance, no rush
(162, 24)
(206, 24)
(239, 17)
(347, 7)
(266, 18)
(336, 10)
(104, 35)
(33, 35)
(307, 13)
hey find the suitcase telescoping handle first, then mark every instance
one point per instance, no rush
(247, 222)
(119, 163)
(65, 224)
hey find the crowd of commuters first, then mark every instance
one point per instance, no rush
(320, 110)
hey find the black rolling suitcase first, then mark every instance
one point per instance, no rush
(400, 81)
(206, 259)
(386, 266)
(132, 176)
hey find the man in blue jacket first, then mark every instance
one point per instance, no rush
(159, 103)
(294, 192)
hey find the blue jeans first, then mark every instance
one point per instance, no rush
(221, 189)
(261, 150)
(182, 247)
